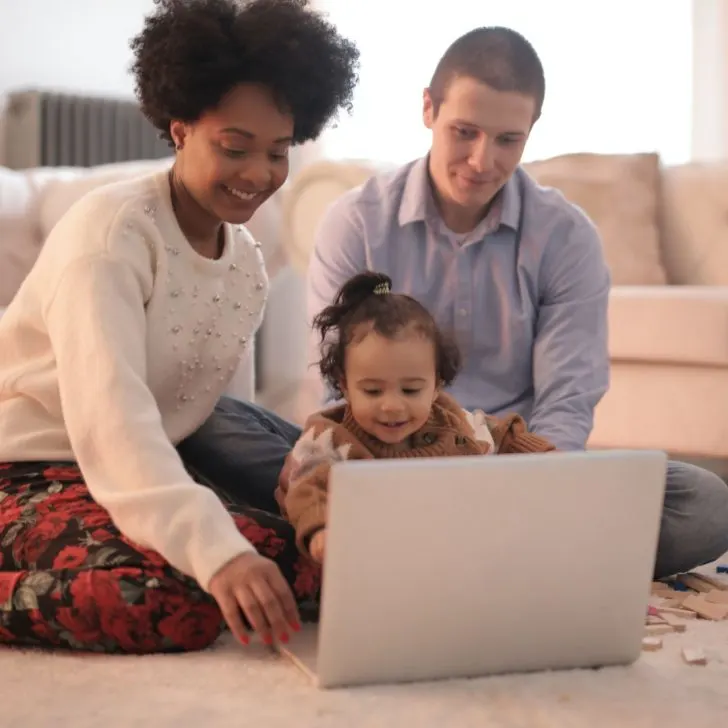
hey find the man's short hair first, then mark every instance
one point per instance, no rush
(497, 57)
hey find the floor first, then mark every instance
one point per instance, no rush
(225, 687)
(229, 685)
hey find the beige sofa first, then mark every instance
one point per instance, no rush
(666, 239)
(665, 233)
(32, 201)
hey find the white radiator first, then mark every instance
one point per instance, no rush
(44, 129)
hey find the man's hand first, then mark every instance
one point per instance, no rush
(254, 584)
(317, 546)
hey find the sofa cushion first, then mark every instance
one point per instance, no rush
(20, 238)
(694, 223)
(308, 198)
(669, 324)
(620, 194)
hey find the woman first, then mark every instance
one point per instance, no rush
(128, 329)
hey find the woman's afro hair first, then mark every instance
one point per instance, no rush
(191, 53)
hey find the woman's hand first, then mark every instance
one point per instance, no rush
(254, 584)
(317, 546)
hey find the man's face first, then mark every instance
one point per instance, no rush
(478, 137)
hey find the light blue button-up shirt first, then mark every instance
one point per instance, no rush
(525, 293)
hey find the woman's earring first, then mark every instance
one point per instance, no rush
(179, 146)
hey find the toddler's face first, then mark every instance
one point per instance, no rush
(390, 384)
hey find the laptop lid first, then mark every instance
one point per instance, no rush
(455, 567)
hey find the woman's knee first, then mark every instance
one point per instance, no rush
(165, 613)
(115, 611)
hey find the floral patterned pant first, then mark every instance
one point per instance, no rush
(69, 578)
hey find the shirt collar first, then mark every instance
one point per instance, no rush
(413, 207)
(418, 202)
(511, 202)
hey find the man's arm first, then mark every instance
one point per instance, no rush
(338, 254)
(570, 354)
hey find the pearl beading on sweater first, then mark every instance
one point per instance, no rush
(240, 289)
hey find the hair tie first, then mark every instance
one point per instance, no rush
(382, 289)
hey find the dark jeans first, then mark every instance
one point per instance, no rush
(240, 450)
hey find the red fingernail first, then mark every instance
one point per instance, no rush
(245, 639)
(295, 626)
(284, 637)
(267, 639)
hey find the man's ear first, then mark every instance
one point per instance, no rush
(428, 109)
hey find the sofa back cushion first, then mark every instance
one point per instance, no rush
(20, 235)
(620, 194)
(694, 223)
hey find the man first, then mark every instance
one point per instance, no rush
(513, 269)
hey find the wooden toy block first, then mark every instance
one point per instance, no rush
(677, 598)
(653, 630)
(717, 597)
(654, 619)
(677, 624)
(694, 656)
(677, 612)
(651, 644)
(706, 609)
(670, 603)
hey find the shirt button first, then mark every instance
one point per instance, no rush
(463, 312)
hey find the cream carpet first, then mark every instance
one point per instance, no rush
(233, 686)
(225, 687)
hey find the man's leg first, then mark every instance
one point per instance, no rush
(694, 521)
(240, 450)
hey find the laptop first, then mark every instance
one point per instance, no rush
(443, 568)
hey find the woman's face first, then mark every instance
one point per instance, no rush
(236, 155)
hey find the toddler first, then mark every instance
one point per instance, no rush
(384, 353)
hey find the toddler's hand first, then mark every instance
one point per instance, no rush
(317, 546)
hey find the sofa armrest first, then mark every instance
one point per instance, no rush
(669, 324)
